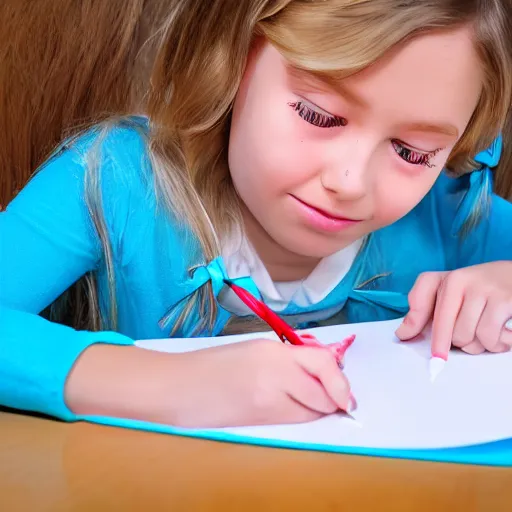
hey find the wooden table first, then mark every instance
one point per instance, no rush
(51, 466)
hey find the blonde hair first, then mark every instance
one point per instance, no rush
(201, 62)
(202, 54)
(503, 174)
(66, 65)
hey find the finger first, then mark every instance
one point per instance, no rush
(322, 364)
(307, 391)
(448, 305)
(491, 332)
(422, 300)
(506, 338)
(501, 348)
(292, 411)
(464, 332)
(474, 348)
(337, 349)
(310, 340)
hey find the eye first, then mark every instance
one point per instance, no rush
(316, 118)
(414, 157)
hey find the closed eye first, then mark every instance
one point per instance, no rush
(412, 156)
(316, 118)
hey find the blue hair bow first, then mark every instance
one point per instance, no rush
(479, 190)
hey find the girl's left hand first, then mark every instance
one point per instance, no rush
(468, 307)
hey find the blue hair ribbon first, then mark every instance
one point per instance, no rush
(479, 185)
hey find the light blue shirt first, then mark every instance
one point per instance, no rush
(48, 241)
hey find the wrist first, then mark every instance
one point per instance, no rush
(124, 381)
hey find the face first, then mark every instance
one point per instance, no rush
(319, 166)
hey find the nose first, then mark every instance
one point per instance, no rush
(346, 175)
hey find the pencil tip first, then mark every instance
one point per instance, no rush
(354, 420)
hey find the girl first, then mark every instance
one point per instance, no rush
(112, 43)
(296, 148)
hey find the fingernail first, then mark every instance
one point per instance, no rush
(400, 332)
(406, 331)
(508, 325)
(352, 403)
(402, 326)
(440, 356)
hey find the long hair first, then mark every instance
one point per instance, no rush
(65, 65)
(202, 50)
(503, 175)
(194, 85)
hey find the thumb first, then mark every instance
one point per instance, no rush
(422, 302)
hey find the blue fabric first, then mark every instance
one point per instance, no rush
(48, 240)
(35, 359)
(498, 453)
(479, 187)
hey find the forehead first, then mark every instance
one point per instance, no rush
(437, 73)
(435, 78)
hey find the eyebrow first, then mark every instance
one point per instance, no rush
(443, 128)
(315, 80)
(349, 95)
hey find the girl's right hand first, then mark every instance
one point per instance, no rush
(261, 382)
(247, 383)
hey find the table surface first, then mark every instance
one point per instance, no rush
(51, 466)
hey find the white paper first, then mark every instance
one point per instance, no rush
(398, 406)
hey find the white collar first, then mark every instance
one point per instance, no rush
(241, 260)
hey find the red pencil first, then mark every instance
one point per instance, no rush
(284, 331)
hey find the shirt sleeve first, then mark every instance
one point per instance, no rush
(47, 242)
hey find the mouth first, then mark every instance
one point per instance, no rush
(325, 213)
(322, 220)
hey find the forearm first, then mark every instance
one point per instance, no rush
(126, 382)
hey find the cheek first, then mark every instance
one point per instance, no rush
(267, 155)
(400, 193)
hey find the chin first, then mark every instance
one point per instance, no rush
(312, 247)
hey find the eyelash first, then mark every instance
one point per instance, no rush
(316, 118)
(413, 157)
(327, 121)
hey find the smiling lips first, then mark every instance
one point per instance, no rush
(320, 219)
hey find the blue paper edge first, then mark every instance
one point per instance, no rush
(497, 453)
